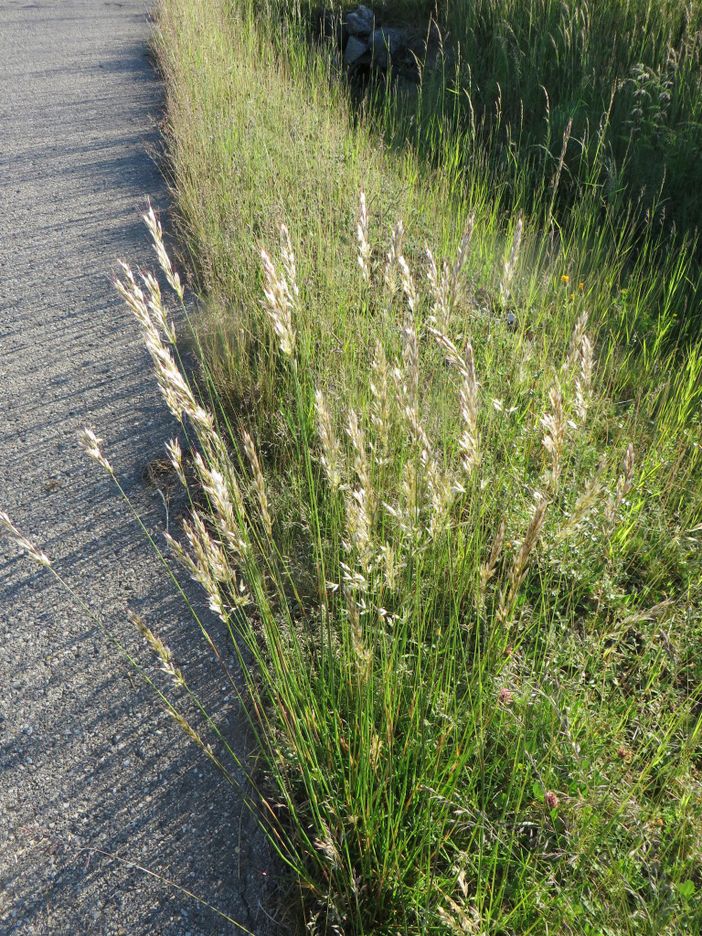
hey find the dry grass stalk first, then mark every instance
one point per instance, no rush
(194, 736)
(279, 305)
(358, 441)
(154, 226)
(210, 567)
(331, 455)
(554, 425)
(469, 441)
(359, 527)
(445, 286)
(363, 655)
(392, 257)
(157, 308)
(287, 255)
(174, 388)
(163, 652)
(380, 408)
(459, 921)
(625, 482)
(459, 262)
(327, 847)
(511, 262)
(576, 338)
(583, 506)
(409, 377)
(259, 483)
(521, 560)
(391, 564)
(583, 382)
(93, 448)
(406, 512)
(408, 287)
(175, 454)
(431, 480)
(487, 569)
(441, 491)
(555, 181)
(364, 249)
(225, 499)
(439, 286)
(25, 544)
(453, 355)
(360, 500)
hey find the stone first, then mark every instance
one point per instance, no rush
(355, 49)
(359, 22)
(385, 43)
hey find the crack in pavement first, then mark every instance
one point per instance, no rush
(88, 758)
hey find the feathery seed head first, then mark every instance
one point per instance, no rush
(461, 256)
(393, 255)
(625, 482)
(583, 382)
(521, 560)
(163, 653)
(154, 226)
(175, 455)
(511, 262)
(93, 447)
(331, 456)
(364, 249)
(25, 544)
(554, 425)
(487, 570)
(259, 483)
(279, 304)
(469, 442)
(288, 257)
(408, 286)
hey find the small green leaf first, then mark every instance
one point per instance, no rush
(686, 889)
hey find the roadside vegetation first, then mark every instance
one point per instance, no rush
(447, 494)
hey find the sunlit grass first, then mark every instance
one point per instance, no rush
(468, 580)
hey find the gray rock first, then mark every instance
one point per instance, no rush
(355, 49)
(360, 21)
(385, 43)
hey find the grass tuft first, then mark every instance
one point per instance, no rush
(449, 438)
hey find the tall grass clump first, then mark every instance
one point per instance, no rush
(584, 115)
(452, 503)
(474, 719)
(559, 102)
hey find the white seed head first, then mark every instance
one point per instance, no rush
(93, 447)
(364, 249)
(279, 305)
(154, 226)
(25, 544)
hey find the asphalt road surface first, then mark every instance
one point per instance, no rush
(89, 762)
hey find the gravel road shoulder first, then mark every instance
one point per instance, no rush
(88, 759)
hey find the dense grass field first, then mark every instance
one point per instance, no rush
(449, 493)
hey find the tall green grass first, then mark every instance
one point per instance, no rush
(453, 512)
(557, 101)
